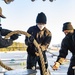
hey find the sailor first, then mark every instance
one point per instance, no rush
(43, 37)
(67, 44)
(4, 32)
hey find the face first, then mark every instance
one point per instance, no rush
(68, 31)
(41, 26)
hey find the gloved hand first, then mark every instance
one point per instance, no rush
(5, 42)
(15, 36)
(30, 39)
(9, 41)
(56, 66)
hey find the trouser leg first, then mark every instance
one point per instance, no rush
(70, 69)
(31, 62)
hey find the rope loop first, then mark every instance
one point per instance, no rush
(45, 72)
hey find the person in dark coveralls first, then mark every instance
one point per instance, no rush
(42, 35)
(68, 44)
(4, 32)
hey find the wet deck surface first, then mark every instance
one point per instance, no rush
(21, 64)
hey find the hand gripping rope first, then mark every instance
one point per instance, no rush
(45, 71)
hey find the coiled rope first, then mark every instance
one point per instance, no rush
(45, 72)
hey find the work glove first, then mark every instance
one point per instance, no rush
(5, 42)
(31, 39)
(56, 66)
(8, 41)
(14, 36)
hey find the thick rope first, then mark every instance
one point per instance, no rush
(5, 66)
(45, 72)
